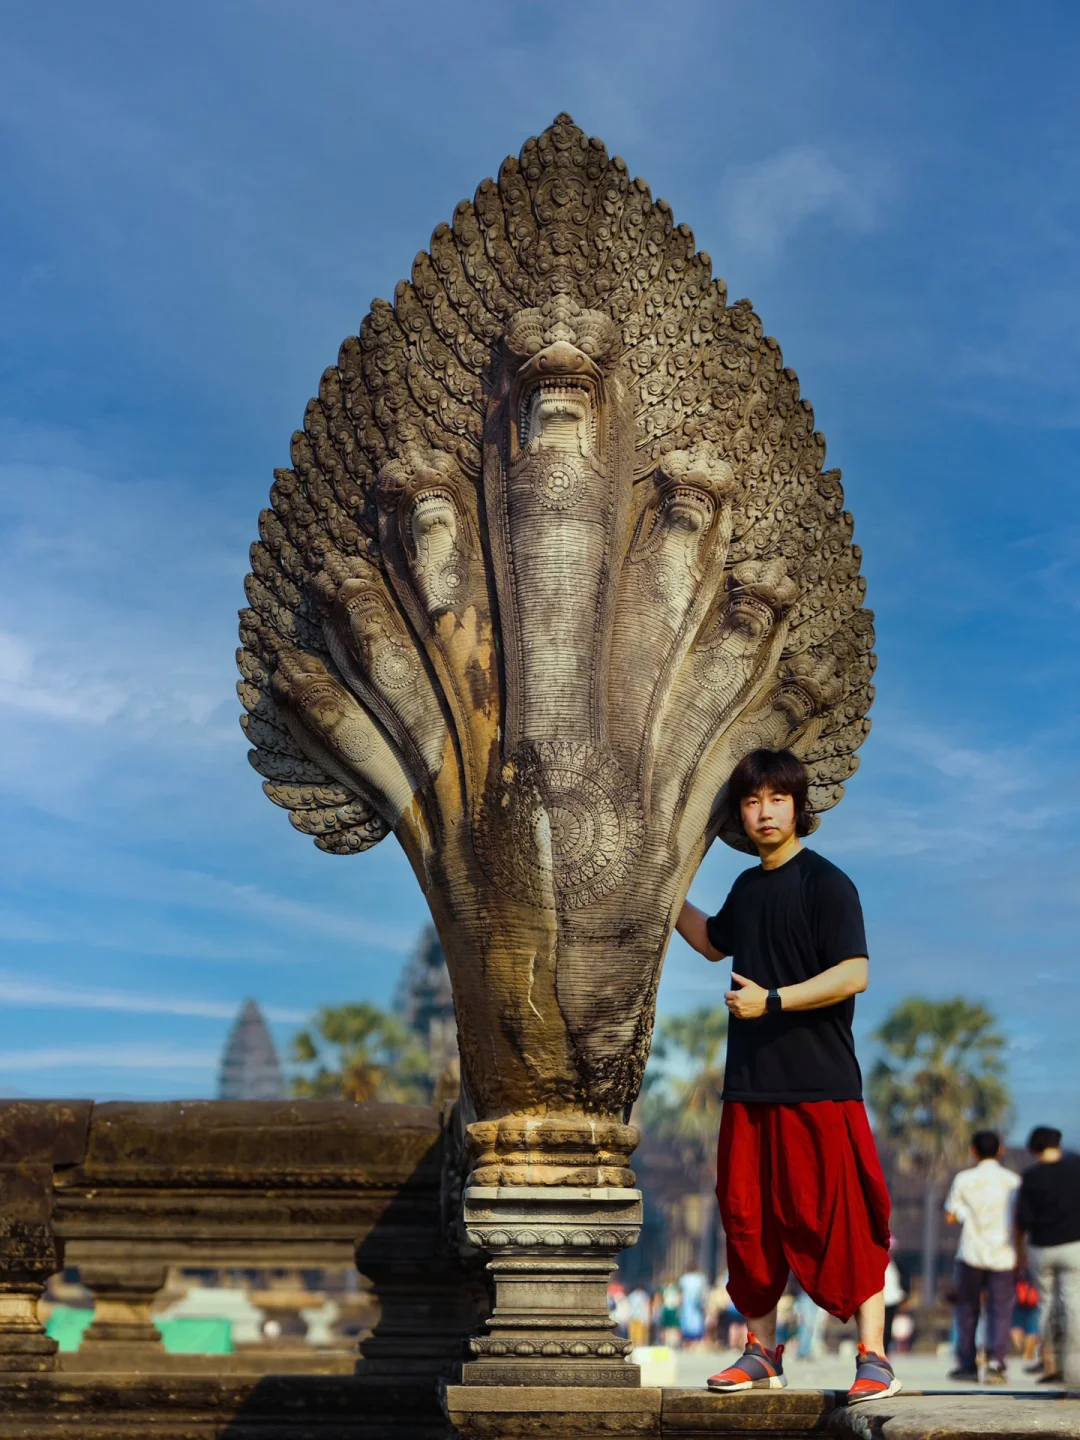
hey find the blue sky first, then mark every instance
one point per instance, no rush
(201, 202)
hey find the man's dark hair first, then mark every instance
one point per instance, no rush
(986, 1144)
(1043, 1137)
(777, 770)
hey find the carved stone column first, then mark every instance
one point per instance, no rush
(29, 1254)
(34, 1136)
(553, 1250)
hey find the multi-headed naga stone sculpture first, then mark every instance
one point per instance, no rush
(556, 550)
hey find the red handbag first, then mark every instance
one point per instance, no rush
(1027, 1295)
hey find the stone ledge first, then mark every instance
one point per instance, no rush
(124, 1362)
(953, 1416)
(557, 1413)
(747, 1412)
(366, 1407)
(195, 1407)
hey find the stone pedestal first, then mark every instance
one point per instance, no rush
(426, 1309)
(520, 1412)
(23, 1343)
(124, 1290)
(553, 1250)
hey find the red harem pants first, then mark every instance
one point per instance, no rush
(800, 1187)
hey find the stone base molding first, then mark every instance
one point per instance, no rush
(552, 1252)
(23, 1343)
(547, 1412)
(559, 1150)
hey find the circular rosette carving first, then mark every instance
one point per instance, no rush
(558, 481)
(395, 667)
(565, 821)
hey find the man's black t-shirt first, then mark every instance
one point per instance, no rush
(1048, 1207)
(780, 927)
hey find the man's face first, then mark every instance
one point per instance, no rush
(768, 818)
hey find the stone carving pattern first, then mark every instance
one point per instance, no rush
(587, 1347)
(556, 548)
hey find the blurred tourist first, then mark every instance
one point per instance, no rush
(895, 1294)
(669, 1317)
(617, 1307)
(903, 1329)
(809, 1316)
(717, 1304)
(981, 1201)
(692, 1288)
(786, 1320)
(656, 1316)
(1048, 1217)
(639, 1310)
(730, 1325)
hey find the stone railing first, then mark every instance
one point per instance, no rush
(126, 1191)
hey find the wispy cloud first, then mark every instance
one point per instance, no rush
(137, 1055)
(767, 203)
(26, 685)
(937, 793)
(14, 990)
(301, 917)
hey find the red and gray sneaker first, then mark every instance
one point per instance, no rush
(874, 1378)
(757, 1369)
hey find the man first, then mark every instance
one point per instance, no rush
(798, 1178)
(1048, 1214)
(982, 1200)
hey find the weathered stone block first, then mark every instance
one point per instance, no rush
(531, 1412)
(700, 1412)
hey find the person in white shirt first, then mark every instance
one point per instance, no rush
(982, 1201)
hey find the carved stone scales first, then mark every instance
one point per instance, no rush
(556, 550)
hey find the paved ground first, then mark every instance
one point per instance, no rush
(832, 1372)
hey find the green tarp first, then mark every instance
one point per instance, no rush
(184, 1336)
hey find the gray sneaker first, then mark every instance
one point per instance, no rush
(756, 1369)
(874, 1378)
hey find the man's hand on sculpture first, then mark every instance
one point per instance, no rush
(748, 1002)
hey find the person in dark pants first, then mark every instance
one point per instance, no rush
(982, 1200)
(1048, 1219)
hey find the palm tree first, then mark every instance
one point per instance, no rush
(940, 1077)
(681, 1101)
(357, 1052)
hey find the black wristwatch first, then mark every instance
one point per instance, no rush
(774, 1005)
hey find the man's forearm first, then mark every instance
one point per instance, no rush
(693, 929)
(837, 983)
